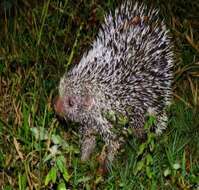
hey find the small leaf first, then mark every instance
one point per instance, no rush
(194, 179)
(56, 139)
(66, 175)
(176, 166)
(39, 133)
(141, 149)
(65, 145)
(110, 116)
(51, 176)
(152, 146)
(22, 181)
(61, 186)
(71, 149)
(167, 172)
(139, 166)
(62, 168)
(54, 150)
(98, 179)
(60, 164)
(150, 137)
(149, 122)
(35, 132)
(148, 172)
(48, 157)
(149, 159)
(122, 120)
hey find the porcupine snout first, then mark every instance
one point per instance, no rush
(58, 105)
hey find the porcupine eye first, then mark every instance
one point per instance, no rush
(71, 101)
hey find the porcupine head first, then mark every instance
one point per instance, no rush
(77, 102)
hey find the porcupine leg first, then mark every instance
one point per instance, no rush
(112, 145)
(88, 143)
(161, 123)
(137, 121)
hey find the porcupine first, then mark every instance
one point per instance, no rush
(128, 71)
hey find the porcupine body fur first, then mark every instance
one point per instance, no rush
(128, 71)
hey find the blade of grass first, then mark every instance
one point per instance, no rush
(74, 47)
(43, 16)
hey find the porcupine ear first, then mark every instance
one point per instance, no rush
(71, 101)
(87, 101)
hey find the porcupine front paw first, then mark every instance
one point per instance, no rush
(87, 146)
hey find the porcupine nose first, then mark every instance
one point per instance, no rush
(58, 105)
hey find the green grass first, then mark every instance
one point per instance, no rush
(38, 41)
